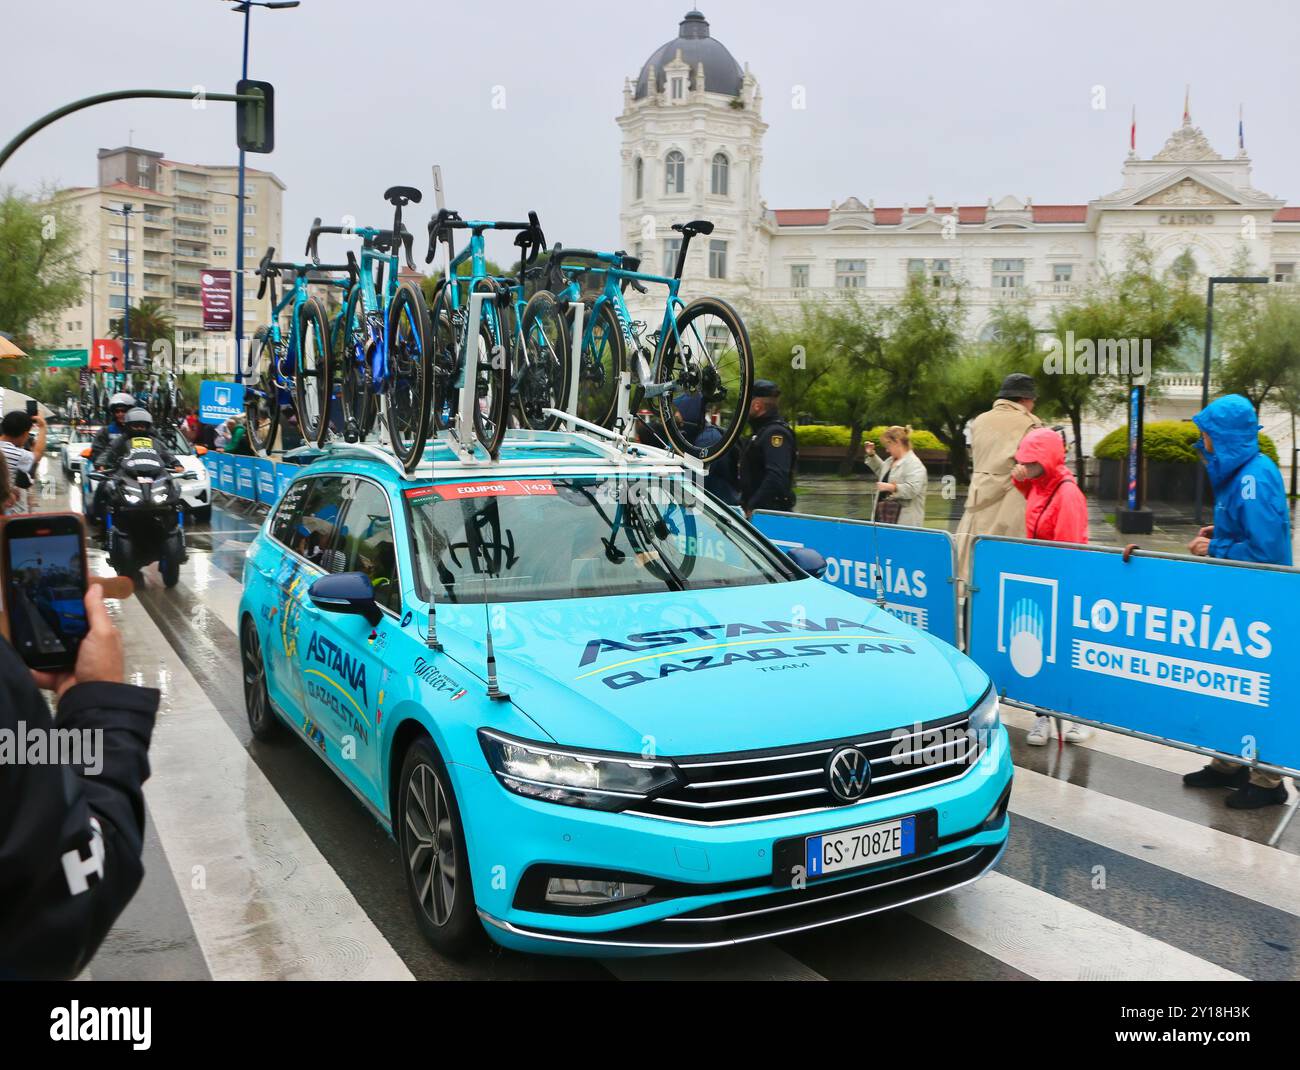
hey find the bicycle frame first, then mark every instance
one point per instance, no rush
(372, 302)
(473, 252)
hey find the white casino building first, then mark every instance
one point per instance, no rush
(692, 147)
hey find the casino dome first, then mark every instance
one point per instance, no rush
(722, 74)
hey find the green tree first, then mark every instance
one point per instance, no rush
(39, 245)
(1150, 315)
(149, 322)
(1262, 347)
(854, 332)
(794, 353)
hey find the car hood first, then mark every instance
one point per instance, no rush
(700, 672)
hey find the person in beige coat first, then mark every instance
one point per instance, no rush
(901, 475)
(993, 505)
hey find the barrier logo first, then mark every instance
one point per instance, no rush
(1027, 621)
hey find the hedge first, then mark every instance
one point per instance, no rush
(1172, 441)
(838, 435)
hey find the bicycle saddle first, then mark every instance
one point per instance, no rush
(398, 196)
(695, 226)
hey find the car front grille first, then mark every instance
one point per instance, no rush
(751, 785)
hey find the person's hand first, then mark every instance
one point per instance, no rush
(887, 488)
(38, 420)
(1020, 473)
(1206, 532)
(870, 447)
(99, 659)
(1200, 546)
(749, 514)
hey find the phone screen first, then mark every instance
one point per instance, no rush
(45, 595)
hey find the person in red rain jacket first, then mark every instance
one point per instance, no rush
(1056, 510)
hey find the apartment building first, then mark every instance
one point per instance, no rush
(183, 221)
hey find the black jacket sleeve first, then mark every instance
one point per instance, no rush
(777, 459)
(70, 835)
(100, 446)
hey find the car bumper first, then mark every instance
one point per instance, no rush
(716, 881)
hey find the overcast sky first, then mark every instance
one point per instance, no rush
(956, 99)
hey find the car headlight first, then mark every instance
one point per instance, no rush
(572, 777)
(985, 718)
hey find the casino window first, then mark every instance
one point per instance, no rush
(366, 543)
(850, 274)
(1062, 276)
(1284, 272)
(1008, 274)
(717, 259)
(678, 87)
(672, 246)
(798, 276)
(674, 172)
(720, 176)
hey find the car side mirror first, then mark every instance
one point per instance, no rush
(86, 452)
(808, 559)
(199, 451)
(346, 592)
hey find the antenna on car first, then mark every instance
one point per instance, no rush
(493, 690)
(879, 577)
(432, 641)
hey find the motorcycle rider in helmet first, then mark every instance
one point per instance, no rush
(138, 446)
(105, 438)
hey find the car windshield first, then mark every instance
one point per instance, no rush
(176, 442)
(580, 537)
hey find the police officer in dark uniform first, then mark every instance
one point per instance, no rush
(767, 468)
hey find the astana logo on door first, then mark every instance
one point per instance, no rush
(1027, 621)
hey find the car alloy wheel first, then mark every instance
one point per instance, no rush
(430, 844)
(256, 701)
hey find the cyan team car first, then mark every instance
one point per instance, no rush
(631, 725)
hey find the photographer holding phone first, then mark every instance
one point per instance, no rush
(15, 440)
(70, 842)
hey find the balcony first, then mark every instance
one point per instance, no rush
(191, 208)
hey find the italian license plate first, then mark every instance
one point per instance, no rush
(833, 852)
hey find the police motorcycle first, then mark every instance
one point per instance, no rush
(144, 516)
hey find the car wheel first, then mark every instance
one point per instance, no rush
(261, 719)
(433, 848)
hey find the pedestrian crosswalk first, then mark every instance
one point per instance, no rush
(273, 870)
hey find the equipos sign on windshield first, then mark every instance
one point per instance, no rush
(1205, 653)
(916, 565)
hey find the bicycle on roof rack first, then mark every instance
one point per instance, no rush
(292, 370)
(516, 356)
(697, 365)
(380, 341)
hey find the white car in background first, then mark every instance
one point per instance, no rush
(78, 438)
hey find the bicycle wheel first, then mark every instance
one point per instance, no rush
(311, 375)
(408, 381)
(708, 360)
(358, 403)
(544, 382)
(600, 364)
(262, 399)
(492, 389)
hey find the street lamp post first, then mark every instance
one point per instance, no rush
(125, 212)
(245, 8)
(1205, 368)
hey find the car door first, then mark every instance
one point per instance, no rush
(345, 652)
(276, 571)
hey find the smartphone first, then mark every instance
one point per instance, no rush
(43, 569)
(32, 408)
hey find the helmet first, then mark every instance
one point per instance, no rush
(121, 401)
(139, 418)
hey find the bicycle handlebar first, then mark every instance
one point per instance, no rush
(531, 242)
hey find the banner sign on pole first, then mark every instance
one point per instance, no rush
(245, 478)
(916, 564)
(1205, 653)
(106, 355)
(225, 473)
(216, 298)
(264, 471)
(219, 401)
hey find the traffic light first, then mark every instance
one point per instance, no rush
(255, 119)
